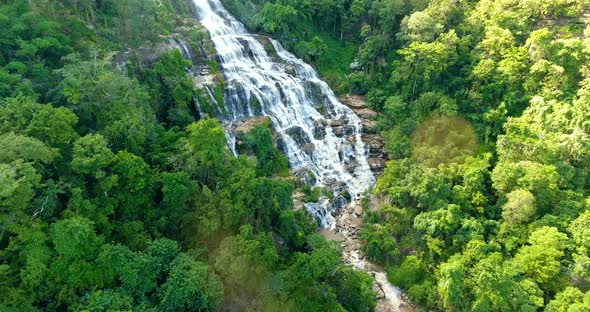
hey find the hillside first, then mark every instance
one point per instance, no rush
(158, 156)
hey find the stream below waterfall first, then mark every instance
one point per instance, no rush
(320, 136)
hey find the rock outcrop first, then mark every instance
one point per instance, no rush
(377, 156)
(248, 124)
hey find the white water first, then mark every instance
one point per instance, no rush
(286, 89)
(289, 91)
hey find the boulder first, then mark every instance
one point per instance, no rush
(368, 125)
(319, 129)
(379, 293)
(377, 164)
(290, 70)
(306, 175)
(358, 211)
(354, 101)
(343, 131)
(374, 143)
(366, 113)
(337, 123)
(299, 135)
(309, 148)
(351, 166)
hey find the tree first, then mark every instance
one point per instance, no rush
(423, 63)
(378, 244)
(420, 27)
(354, 289)
(172, 89)
(388, 10)
(246, 263)
(77, 246)
(108, 300)
(520, 207)
(306, 276)
(53, 126)
(107, 100)
(259, 142)
(580, 230)
(203, 151)
(191, 286)
(570, 299)
(92, 155)
(540, 260)
(412, 271)
(451, 285)
(19, 182)
(277, 18)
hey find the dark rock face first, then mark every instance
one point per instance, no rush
(299, 135)
(374, 143)
(377, 164)
(319, 130)
(306, 176)
(343, 131)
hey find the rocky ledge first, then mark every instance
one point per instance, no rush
(374, 142)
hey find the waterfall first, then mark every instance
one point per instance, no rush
(318, 133)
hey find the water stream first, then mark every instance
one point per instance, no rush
(319, 134)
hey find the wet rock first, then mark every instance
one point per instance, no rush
(319, 129)
(351, 139)
(309, 148)
(205, 71)
(351, 166)
(337, 123)
(281, 145)
(247, 48)
(281, 92)
(315, 92)
(299, 135)
(374, 143)
(343, 131)
(306, 175)
(377, 164)
(290, 70)
(379, 293)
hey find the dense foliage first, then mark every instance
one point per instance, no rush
(117, 195)
(484, 106)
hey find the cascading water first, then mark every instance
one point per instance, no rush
(327, 143)
(317, 132)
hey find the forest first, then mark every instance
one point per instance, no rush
(485, 110)
(116, 195)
